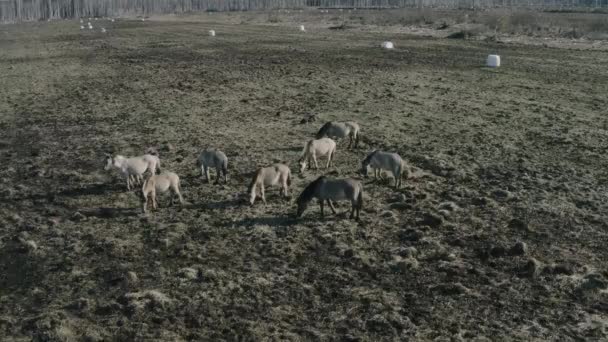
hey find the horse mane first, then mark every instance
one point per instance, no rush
(255, 178)
(323, 129)
(369, 157)
(309, 191)
(303, 155)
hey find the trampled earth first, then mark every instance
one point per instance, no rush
(501, 232)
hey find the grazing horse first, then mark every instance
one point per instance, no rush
(317, 148)
(392, 162)
(327, 189)
(277, 174)
(133, 168)
(339, 130)
(215, 158)
(161, 183)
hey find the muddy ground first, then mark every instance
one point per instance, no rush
(500, 234)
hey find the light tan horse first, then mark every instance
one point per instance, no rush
(132, 169)
(327, 189)
(338, 130)
(317, 148)
(277, 174)
(392, 162)
(161, 184)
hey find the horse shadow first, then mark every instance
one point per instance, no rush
(272, 221)
(91, 190)
(286, 149)
(107, 213)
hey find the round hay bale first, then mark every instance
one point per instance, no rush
(388, 45)
(493, 61)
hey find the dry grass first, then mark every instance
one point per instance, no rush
(592, 25)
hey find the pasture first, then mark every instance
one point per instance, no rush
(500, 233)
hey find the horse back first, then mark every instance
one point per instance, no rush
(340, 189)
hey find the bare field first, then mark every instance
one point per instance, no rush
(501, 235)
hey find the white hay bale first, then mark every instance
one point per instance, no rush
(302, 28)
(388, 45)
(493, 61)
(103, 30)
(112, 20)
(212, 33)
(81, 21)
(81, 27)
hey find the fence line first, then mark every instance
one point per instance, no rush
(24, 10)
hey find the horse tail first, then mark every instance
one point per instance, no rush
(356, 137)
(323, 130)
(288, 177)
(157, 166)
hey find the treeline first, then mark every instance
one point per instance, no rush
(24, 10)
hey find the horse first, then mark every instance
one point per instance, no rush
(339, 130)
(277, 174)
(327, 189)
(380, 160)
(215, 158)
(161, 183)
(133, 168)
(317, 148)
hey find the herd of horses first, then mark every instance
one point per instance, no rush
(324, 189)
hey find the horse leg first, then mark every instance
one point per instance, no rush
(153, 194)
(145, 201)
(263, 193)
(207, 176)
(314, 158)
(253, 194)
(321, 204)
(397, 178)
(350, 140)
(205, 173)
(285, 188)
(218, 174)
(329, 157)
(179, 194)
(331, 206)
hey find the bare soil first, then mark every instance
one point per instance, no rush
(500, 234)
